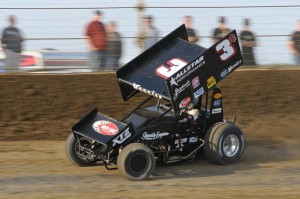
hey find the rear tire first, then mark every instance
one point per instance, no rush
(224, 143)
(71, 149)
(136, 161)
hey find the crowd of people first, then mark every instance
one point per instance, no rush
(105, 45)
(150, 35)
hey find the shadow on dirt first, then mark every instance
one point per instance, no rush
(257, 154)
(199, 168)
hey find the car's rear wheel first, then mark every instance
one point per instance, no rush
(224, 143)
(74, 151)
(136, 161)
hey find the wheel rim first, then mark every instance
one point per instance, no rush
(231, 145)
(138, 163)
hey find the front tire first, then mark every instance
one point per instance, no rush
(136, 161)
(224, 143)
(72, 151)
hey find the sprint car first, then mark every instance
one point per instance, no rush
(187, 117)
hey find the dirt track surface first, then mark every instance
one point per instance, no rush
(37, 112)
(39, 169)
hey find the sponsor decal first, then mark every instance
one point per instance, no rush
(153, 93)
(105, 127)
(193, 139)
(232, 67)
(180, 89)
(187, 70)
(196, 82)
(186, 101)
(122, 137)
(211, 82)
(216, 110)
(217, 95)
(154, 136)
(228, 70)
(199, 92)
(217, 103)
(183, 140)
(224, 73)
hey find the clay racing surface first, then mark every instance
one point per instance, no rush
(37, 112)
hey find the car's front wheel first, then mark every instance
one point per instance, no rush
(136, 161)
(74, 149)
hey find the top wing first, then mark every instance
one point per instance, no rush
(149, 71)
(178, 71)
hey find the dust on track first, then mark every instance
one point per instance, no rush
(39, 169)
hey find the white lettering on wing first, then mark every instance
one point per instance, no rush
(153, 93)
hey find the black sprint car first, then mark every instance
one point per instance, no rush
(187, 116)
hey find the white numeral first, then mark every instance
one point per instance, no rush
(174, 66)
(226, 50)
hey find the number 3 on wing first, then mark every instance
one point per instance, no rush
(174, 66)
(225, 49)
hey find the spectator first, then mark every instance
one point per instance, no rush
(12, 44)
(294, 44)
(114, 45)
(248, 42)
(150, 33)
(192, 35)
(96, 41)
(221, 30)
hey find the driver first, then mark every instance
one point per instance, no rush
(193, 111)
